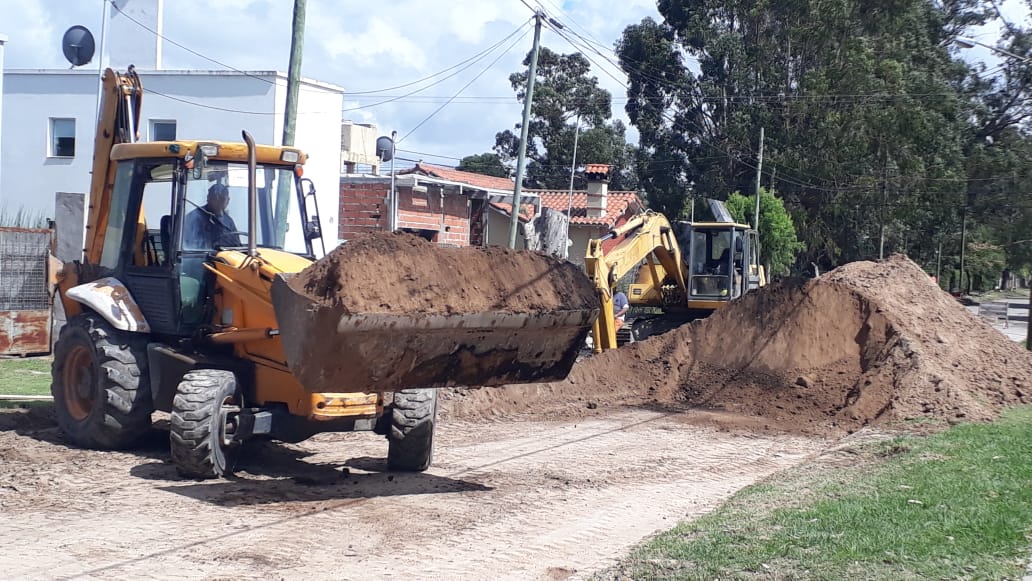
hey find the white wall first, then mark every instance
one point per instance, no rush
(28, 177)
(3, 41)
(231, 103)
(317, 133)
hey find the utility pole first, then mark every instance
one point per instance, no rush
(569, 203)
(759, 171)
(297, 42)
(522, 158)
(963, 243)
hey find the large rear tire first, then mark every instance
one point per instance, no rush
(204, 413)
(99, 382)
(411, 437)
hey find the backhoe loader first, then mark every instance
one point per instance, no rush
(683, 271)
(174, 307)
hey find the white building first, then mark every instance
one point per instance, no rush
(48, 123)
(3, 41)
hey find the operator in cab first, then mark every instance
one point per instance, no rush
(209, 226)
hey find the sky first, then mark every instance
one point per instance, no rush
(363, 47)
(368, 48)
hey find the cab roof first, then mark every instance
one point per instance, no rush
(227, 151)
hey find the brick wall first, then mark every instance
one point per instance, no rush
(363, 209)
(424, 211)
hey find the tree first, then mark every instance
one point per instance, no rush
(489, 164)
(778, 242)
(565, 96)
(864, 125)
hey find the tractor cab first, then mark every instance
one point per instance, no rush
(175, 206)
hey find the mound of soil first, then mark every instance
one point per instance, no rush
(868, 343)
(402, 273)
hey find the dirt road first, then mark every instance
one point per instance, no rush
(513, 499)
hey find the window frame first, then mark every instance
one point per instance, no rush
(156, 122)
(52, 149)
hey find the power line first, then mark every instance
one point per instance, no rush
(427, 78)
(464, 87)
(439, 81)
(184, 47)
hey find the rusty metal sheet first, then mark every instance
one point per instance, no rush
(24, 332)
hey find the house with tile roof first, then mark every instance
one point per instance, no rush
(593, 212)
(443, 205)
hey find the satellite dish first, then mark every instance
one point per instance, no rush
(384, 148)
(78, 45)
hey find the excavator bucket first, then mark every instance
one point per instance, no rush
(395, 312)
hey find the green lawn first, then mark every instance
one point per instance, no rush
(25, 376)
(956, 505)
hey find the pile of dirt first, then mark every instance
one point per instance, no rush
(403, 273)
(868, 343)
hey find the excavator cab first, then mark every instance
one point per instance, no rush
(722, 263)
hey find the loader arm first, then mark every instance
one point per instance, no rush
(647, 237)
(118, 122)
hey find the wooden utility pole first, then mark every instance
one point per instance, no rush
(297, 42)
(522, 158)
(759, 171)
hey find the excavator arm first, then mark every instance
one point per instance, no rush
(647, 237)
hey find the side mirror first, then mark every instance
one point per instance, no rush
(312, 228)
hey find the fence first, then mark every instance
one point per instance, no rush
(24, 291)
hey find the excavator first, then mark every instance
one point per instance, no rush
(683, 271)
(175, 308)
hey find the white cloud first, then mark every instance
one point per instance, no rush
(360, 46)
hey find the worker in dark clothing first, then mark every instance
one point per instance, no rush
(209, 227)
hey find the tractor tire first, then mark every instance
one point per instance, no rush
(100, 386)
(411, 439)
(202, 424)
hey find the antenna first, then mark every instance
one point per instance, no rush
(78, 45)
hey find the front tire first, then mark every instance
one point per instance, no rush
(204, 413)
(411, 437)
(99, 383)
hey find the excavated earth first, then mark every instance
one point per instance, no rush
(537, 481)
(402, 273)
(870, 343)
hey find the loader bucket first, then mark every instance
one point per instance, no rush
(330, 348)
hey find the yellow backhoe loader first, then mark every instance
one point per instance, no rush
(684, 271)
(174, 307)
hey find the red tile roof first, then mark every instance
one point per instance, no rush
(597, 168)
(463, 177)
(617, 204)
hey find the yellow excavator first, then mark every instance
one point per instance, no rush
(683, 271)
(175, 308)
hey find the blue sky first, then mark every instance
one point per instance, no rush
(364, 46)
(361, 46)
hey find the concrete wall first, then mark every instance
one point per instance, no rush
(498, 230)
(205, 105)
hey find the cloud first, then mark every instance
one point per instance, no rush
(360, 46)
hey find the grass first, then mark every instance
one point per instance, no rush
(956, 505)
(25, 376)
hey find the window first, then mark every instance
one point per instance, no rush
(162, 130)
(62, 137)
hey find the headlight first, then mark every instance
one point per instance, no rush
(289, 156)
(210, 150)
